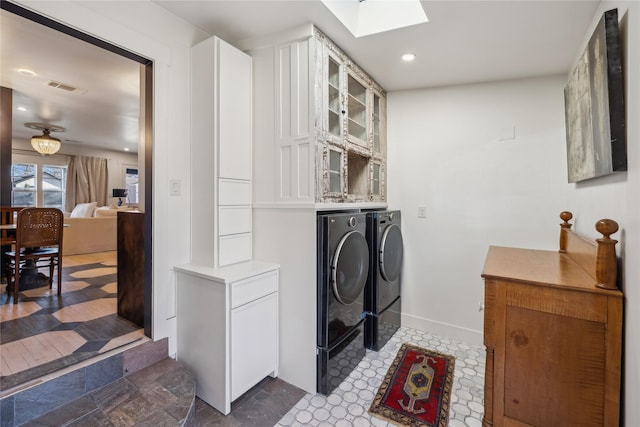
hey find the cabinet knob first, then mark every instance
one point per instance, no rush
(344, 112)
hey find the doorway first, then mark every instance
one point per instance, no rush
(144, 133)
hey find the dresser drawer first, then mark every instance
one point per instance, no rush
(247, 290)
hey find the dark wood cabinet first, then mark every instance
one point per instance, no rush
(131, 263)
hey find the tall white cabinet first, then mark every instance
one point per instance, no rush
(221, 158)
(227, 302)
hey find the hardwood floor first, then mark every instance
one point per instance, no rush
(42, 333)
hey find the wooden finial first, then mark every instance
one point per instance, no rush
(606, 261)
(606, 227)
(565, 216)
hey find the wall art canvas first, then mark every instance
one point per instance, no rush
(594, 106)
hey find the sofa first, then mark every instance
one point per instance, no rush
(89, 234)
(91, 229)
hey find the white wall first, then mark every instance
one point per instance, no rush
(150, 31)
(444, 154)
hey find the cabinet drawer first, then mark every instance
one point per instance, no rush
(234, 220)
(247, 290)
(234, 248)
(234, 192)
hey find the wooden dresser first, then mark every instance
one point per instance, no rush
(553, 333)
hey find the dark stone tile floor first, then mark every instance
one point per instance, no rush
(262, 406)
(162, 394)
(141, 387)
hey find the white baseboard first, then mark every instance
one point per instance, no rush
(453, 332)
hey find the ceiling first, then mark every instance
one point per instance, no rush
(103, 111)
(463, 42)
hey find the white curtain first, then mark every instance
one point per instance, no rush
(87, 181)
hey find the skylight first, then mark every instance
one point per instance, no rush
(366, 17)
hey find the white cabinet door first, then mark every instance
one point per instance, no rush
(254, 343)
(234, 112)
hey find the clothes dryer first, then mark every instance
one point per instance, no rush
(382, 292)
(343, 267)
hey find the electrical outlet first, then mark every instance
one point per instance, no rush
(422, 211)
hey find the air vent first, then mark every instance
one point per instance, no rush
(68, 88)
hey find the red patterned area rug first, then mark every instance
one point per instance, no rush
(417, 388)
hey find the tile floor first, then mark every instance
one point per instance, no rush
(348, 405)
(43, 333)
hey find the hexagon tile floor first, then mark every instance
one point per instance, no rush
(348, 405)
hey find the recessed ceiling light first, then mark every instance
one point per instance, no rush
(408, 57)
(27, 72)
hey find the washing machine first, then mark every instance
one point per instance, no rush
(382, 291)
(343, 267)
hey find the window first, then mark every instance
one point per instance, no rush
(131, 180)
(54, 185)
(23, 185)
(38, 185)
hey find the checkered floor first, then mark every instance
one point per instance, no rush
(44, 333)
(348, 405)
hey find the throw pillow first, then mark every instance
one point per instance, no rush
(84, 210)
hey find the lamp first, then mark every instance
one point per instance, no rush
(45, 144)
(119, 193)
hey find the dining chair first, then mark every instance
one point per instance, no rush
(8, 216)
(38, 244)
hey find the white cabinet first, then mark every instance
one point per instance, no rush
(228, 328)
(253, 349)
(221, 160)
(328, 121)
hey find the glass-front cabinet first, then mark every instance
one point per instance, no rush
(377, 145)
(357, 129)
(334, 104)
(335, 172)
(354, 133)
(376, 185)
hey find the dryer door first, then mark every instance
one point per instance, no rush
(391, 253)
(350, 267)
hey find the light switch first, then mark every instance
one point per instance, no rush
(175, 187)
(422, 211)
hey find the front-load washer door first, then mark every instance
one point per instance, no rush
(350, 267)
(391, 253)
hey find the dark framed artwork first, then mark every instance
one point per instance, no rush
(594, 106)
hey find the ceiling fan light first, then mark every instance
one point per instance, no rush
(45, 144)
